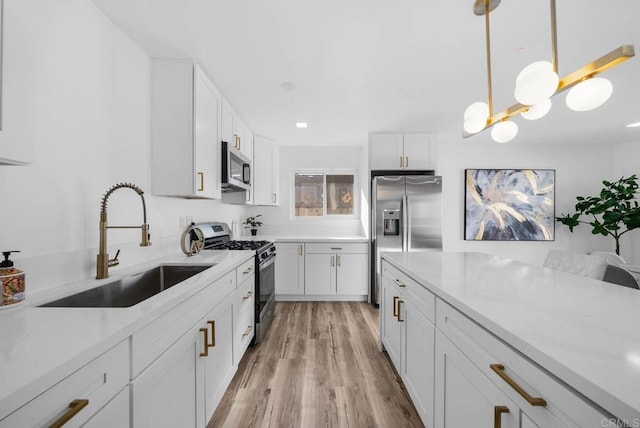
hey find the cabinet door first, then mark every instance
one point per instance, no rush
(320, 274)
(464, 396)
(391, 322)
(418, 360)
(169, 393)
(289, 271)
(416, 151)
(226, 124)
(352, 274)
(207, 143)
(263, 172)
(218, 363)
(385, 151)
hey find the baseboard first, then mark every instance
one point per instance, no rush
(328, 298)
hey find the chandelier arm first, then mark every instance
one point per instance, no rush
(554, 37)
(488, 42)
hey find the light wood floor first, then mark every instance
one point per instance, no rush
(319, 366)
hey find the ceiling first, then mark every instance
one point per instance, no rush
(363, 66)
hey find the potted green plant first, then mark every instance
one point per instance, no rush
(253, 224)
(613, 213)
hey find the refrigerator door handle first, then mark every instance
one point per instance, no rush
(403, 216)
(409, 223)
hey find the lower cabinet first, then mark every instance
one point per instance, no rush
(464, 396)
(390, 325)
(289, 272)
(116, 413)
(335, 269)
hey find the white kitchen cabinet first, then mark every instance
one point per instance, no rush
(170, 392)
(464, 396)
(217, 359)
(227, 132)
(397, 151)
(335, 269)
(116, 413)
(289, 271)
(265, 172)
(407, 332)
(79, 396)
(244, 310)
(185, 116)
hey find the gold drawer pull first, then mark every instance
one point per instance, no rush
(395, 308)
(74, 408)
(213, 333)
(205, 352)
(249, 269)
(497, 415)
(534, 401)
(399, 301)
(399, 283)
(247, 331)
(249, 294)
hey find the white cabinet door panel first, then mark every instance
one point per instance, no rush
(352, 274)
(385, 151)
(289, 271)
(320, 274)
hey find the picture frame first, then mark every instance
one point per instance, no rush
(509, 205)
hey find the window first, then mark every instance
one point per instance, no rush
(320, 194)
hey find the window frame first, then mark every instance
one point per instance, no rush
(325, 216)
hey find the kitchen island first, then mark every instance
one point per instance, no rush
(575, 338)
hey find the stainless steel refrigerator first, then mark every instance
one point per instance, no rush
(406, 215)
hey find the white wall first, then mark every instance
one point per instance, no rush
(579, 171)
(625, 163)
(277, 220)
(77, 94)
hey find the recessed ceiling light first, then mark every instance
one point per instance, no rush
(288, 86)
(301, 124)
(633, 125)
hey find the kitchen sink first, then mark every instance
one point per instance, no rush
(130, 290)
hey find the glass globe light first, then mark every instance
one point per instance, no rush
(475, 117)
(535, 83)
(589, 94)
(537, 111)
(504, 131)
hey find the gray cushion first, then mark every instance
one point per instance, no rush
(577, 263)
(620, 276)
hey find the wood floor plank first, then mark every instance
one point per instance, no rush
(318, 366)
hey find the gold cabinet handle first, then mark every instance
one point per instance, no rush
(406, 161)
(401, 162)
(399, 283)
(399, 301)
(333, 263)
(74, 408)
(395, 308)
(339, 262)
(534, 401)
(201, 188)
(213, 333)
(247, 331)
(248, 295)
(236, 140)
(273, 198)
(249, 269)
(205, 352)
(497, 415)
(300, 248)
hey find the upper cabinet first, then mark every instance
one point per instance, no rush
(186, 118)
(397, 151)
(235, 132)
(265, 172)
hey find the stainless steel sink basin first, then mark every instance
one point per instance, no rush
(130, 290)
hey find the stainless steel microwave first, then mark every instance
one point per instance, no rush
(236, 169)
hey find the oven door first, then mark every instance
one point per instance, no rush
(266, 284)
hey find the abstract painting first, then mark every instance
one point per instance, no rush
(509, 205)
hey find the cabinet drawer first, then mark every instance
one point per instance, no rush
(151, 341)
(423, 299)
(244, 331)
(245, 271)
(484, 349)
(245, 295)
(324, 248)
(98, 382)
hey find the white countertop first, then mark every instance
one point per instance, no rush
(585, 332)
(39, 346)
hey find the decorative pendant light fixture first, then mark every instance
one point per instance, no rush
(538, 82)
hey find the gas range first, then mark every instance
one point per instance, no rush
(217, 236)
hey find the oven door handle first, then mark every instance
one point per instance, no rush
(267, 263)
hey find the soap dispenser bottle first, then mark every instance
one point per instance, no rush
(11, 282)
